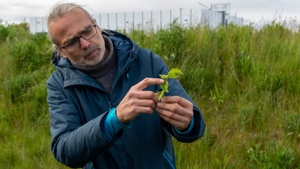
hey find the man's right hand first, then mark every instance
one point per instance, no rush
(138, 101)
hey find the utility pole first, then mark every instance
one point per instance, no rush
(204, 5)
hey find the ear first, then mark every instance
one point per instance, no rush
(62, 53)
(59, 51)
(95, 22)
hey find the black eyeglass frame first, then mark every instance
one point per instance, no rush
(76, 39)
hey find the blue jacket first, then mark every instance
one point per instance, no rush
(78, 106)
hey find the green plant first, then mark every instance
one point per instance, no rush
(271, 156)
(236, 74)
(3, 33)
(171, 43)
(292, 125)
(173, 73)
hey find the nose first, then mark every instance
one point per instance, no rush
(84, 43)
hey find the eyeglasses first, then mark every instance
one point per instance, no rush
(75, 43)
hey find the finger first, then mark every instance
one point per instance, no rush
(171, 115)
(146, 110)
(176, 99)
(142, 95)
(171, 107)
(175, 111)
(176, 120)
(145, 103)
(147, 82)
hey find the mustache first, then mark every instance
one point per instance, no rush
(90, 50)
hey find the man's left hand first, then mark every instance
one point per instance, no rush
(176, 111)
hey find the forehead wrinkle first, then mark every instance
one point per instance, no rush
(69, 25)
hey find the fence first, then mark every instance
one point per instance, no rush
(152, 19)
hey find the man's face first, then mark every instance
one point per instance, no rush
(67, 30)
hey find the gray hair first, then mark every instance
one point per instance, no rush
(58, 11)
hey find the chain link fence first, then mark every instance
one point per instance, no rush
(152, 20)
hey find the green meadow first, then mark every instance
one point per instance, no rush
(245, 80)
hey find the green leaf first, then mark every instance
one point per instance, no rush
(161, 94)
(163, 76)
(173, 73)
(165, 86)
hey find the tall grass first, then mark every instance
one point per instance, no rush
(245, 80)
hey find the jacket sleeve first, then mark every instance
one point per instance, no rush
(176, 89)
(73, 142)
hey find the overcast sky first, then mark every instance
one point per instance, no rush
(252, 10)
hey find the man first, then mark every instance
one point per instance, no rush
(104, 109)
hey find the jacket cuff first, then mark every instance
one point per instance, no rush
(188, 130)
(113, 125)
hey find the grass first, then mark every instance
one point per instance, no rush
(245, 80)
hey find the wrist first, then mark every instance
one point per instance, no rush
(121, 117)
(187, 129)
